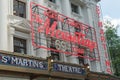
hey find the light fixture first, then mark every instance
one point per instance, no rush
(52, 60)
(88, 67)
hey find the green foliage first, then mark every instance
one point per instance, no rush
(113, 41)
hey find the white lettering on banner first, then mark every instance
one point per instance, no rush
(68, 69)
(23, 62)
(4, 59)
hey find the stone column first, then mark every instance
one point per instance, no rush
(66, 10)
(10, 36)
(28, 9)
(42, 52)
(99, 64)
(3, 25)
(66, 7)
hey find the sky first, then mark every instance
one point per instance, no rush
(111, 10)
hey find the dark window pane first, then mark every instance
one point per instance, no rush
(19, 45)
(19, 8)
(15, 9)
(74, 8)
(51, 22)
(52, 1)
(81, 61)
(77, 29)
(19, 50)
(55, 55)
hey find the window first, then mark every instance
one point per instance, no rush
(81, 61)
(74, 8)
(52, 1)
(52, 21)
(19, 45)
(55, 55)
(51, 44)
(81, 54)
(77, 29)
(19, 8)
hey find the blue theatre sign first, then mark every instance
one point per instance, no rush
(68, 69)
(22, 62)
(12, 60)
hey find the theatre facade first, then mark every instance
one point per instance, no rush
(52, 40)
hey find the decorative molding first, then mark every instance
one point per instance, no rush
(18, 22)
(52, 5)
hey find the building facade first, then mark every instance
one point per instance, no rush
(27, 46)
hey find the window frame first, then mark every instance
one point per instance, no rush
(75, 8)
(18, 46)
(81, 61)
(17, 12)
(53, 53)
